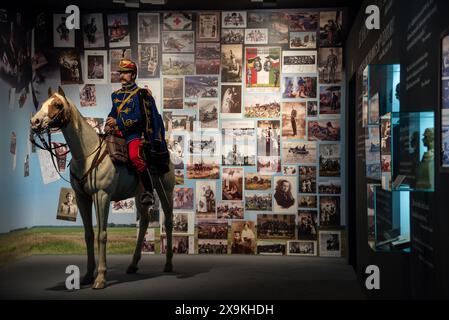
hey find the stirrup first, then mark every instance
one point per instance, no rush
(147, 198)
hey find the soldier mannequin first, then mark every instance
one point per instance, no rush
(128, 104)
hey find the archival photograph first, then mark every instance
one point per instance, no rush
(330, 65)
(270, 165)
(256, 181)
(307, 202)
(231, 63)
(208, 113)
(268, 138)
(88, 96)
(178, 41)
(62, 36)
(211, 246)
(67, 206)
(173, 89)
(324, 130)
(294, 87)
(303, 40)
(213, 229)
(118, 30)
(148, 27)
(205, 198)
(208, 26)
(70, 67)
(232, 36)
(93, 33)
(263, 105)
(331, 28)
(208, 58)
(231, 101)
(95, 63)
(261, 201)
(307, 224)
(330, 100)
(243, 235)
(329, 161)
(302, 248)
(177, 21)
(276, 226)
(149, 61)
(271, 248)
(230, 210)
(299, 152)
(201, 167)
(183, 223)
(286, 194)
(330, 243)
(178, 64)
(124, 206)
(256, 36)
(201, 86)
(307, 179)
(330, 211)
(183, 198)
(233, 19)
(232, 184)
(303, 21)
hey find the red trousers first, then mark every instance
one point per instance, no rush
(134, 155)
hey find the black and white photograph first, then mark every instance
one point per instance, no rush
(307, 225)
(88, 95)
(148, 27)
(330, 66)
(178, 64)
(231, 63)
(178, 41)
(93, 32)
(232, 184)
(286, 194)
(201, 167)
(238, 154)
(70, 67)
(329, 161)
(302, 248)
(233, 19)
(332, 186)
(331, 33)
(230, 210)
(299, 153)
(299, 61)
(212, 246)
(149, 60)
(330, 243)
(183, 223)
(257, 181)
(323, 130)
(330, 211)
(67, 206)
(208, 26)
(232, 36)
(257, 19)
(294, 87)
(307, 202)
(180, 244)
(205, 198)
(260, 201)
(276, 226)
(95, 63)
(183, 198)
(303, 40)
(243, 235)
(231, 101)
(213, 229)
(201, 87)
(271, 247)
(118, 30)
(62, 36)
(330, 100)
(207, 58)
(256, 36)
(177, 21)
(307, 179)
(176, 147)
(173, 90)
(115, 55)
(205, 144)
(268, 138)
(179, 121)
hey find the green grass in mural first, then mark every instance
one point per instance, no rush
(60, 240)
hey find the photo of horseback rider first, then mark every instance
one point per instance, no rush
(134, 115)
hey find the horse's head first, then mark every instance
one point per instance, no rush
(54, 113)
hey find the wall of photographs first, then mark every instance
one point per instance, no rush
(252, 104)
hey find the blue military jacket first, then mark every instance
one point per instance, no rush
(129, 119)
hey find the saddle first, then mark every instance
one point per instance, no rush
(117, 148)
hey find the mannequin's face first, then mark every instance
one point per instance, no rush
(126, 77)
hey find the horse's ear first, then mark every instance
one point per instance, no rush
(50, 93)
(61, 92)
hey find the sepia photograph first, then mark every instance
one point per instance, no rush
(256, 36)
(307, 202)
(263, 105)
(232, 36)
(231, 101)
(178, 41)
(293, 120)
(330, 211)
(149, 61)
(269, 165)
(329, 161)
(93, 32)
(261, 201)
(70, 67)
(88, 95)
(180, 244)
(330, 243)
(177, 21)
(233, 19)
(307, 225)
(205, 144)
(201, 167)
(178, 64)
(173, 90)
(62, 36)
(183, 223)
(230, 210)
(276, 226)
(277, 28)
(183, 198)
(239, 154)
(262, 69)
(243, 235)
(303, 40)
(208, 114)
(256, 181)
(331, 33)
(271, 248)
(118, 30)
(302, 248)
(95, 63)
(289, 170)
(208, 26)
(205, 198)
(148, 27)
(268, 138)
(294, 87)
(299, 61)
(324, 130)
(232, 184)
(211, 246)
(201, 87)
(307, 179)
(330, 66)
(299, 153)
(123, 206)
(67, 206)
(213, 229)
(207, 58)
(312, 109)
(330, 100)
(231, 63)
(286, 194)
(329, 187)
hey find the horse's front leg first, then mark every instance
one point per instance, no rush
(144, 219)
(85, 205)
(101, 202)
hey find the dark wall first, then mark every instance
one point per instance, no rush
(410, 35)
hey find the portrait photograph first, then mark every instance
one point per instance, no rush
(232, 184)
(293, 120)
(178, 64)
(262, 69)
(268, 138)
(256, 181)
(70, 67)
(205, 198)
(329, 160)
(260, 201)
(286, 194)
(208, 26)
(230, 210)
(118, 30)
(299, 153)
(95, 63)
(330, 65)
(302, 248)
(330, 243)
(233, 19)
(243, 235)
(93, 32)
(276, 226)
(148, 27)
(67, 206)
(183, 198)
(231, 101)
(299, 61)
(307, 225)
(62, 36)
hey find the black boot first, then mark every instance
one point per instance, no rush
(147, 197)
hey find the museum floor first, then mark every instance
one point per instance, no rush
(195, 277)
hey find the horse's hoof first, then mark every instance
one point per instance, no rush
(132, 269)
(168, 268)
(87, 280)
(99, 285)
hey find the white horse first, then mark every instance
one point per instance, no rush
(95, 178)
